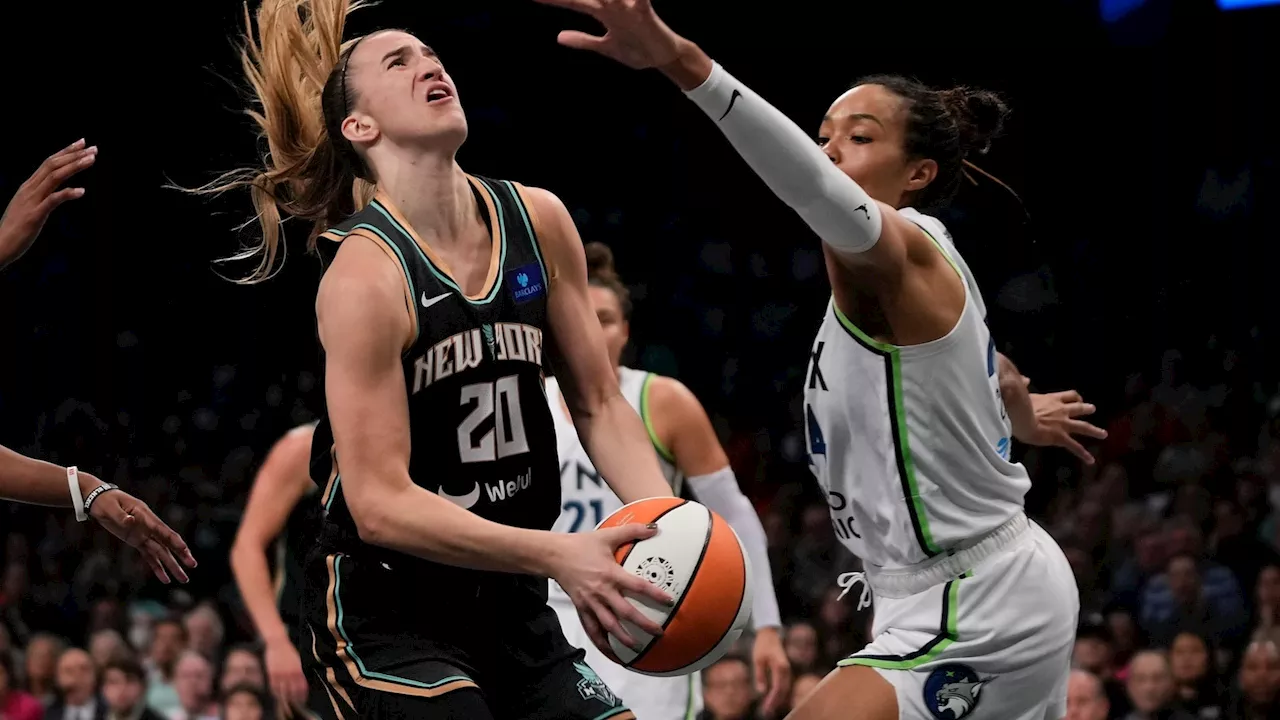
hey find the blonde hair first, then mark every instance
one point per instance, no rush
(307, 173)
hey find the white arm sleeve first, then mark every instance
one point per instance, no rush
(791, 164)
(719, 491)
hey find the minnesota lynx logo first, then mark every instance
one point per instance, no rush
(592, 687)
(952, 691)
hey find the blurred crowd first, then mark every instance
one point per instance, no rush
(1173, 535)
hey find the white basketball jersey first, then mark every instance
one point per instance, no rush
(911, 443)
(585, 498)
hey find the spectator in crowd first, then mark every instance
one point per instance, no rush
(14, 703)
(803, 685)
(1095, 653)
(245, 702)
(77, 689)
(1191, 662)
(124, 689)
(1259, 681)
(106, 644)
(204, 631)
(168, 641)
(1196, 596)
(1086, 699)
(1151, 689)
(1232, 546)
(193, 679)
(1266, 597)
(727, 691)
(242, 666)
(42, 665)
(801, 645)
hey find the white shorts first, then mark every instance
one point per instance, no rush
(985, 632)
(650, 698)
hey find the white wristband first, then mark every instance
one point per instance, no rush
(77, 501)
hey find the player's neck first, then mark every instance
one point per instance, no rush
(433, 194)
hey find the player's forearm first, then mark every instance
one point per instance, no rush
(37, 482)
(618, 445)
(416, 522)
(1017, 399)
(784, 156)
(253, 578)
(719, 491)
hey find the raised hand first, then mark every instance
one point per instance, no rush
(598, 585)
(38, 196)
(1056, 422)
(634, 34)
(129, 519)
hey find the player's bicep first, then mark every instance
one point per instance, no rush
(682, 425)
(363, 328)
(582, 364)
(278, 487)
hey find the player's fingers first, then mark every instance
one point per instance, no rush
(298, 690)
(591, 627)
(778, 686)
(609, 624)
(53, 201)
(624, 609)
(762, 674)
(629, 533)
(157, 567)
(161, 533)
(53, 161)
(639, 587)
(581, 41)
(167, 560)
(1068, 396)
(60, 167)
(1080, 427)
(590, 7)
(1079, 409)
(1076, 448)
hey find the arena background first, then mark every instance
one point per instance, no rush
(1141, 273)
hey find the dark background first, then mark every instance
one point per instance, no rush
(1144, 151)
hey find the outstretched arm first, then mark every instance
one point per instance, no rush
(862, 231)
(40, 483)
(681, 424)
(611, 431)
(279, 486)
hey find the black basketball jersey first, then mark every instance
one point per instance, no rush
(481, 431)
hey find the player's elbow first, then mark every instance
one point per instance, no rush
(369, 509)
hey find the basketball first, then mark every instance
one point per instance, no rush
(699, 560)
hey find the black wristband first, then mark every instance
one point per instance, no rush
(103, 488)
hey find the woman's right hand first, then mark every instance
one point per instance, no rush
(284, 675)
(585, 567)
(634, 34)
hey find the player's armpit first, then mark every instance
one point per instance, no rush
(682, 425)
(609, 427)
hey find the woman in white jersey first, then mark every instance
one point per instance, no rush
(905, 401)
(689, 452)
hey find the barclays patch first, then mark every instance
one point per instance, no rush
(527, 283)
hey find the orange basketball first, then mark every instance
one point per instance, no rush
(699, 560)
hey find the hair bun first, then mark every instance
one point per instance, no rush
(600, 260)
(979, 113)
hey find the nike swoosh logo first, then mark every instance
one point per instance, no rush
(463, 501)
(732, 99)
(428, 303)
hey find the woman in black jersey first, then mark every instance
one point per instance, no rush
(281, 517)
(426, 593)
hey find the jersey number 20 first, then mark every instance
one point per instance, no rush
(506, 437)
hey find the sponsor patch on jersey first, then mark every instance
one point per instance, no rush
(527, 283)
(952, 691)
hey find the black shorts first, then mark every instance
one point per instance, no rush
(372, 650)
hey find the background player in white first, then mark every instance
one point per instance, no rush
(689, 452)
(906, 422)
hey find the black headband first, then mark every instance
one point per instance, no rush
(342, 87)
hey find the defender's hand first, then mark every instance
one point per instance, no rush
(38, 196)
(634, 34)
(773, 670)
(129, 519)
(596, 583)
(1056, 422)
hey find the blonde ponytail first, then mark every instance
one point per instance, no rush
(304, 173)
